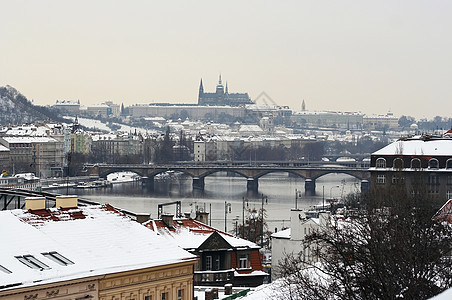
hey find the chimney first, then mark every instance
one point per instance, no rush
(35, 203)
(297, 218)
(68, 201)
(202, 217)
(168, 220)
(141, 218)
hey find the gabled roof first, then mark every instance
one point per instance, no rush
(445, 212)
(191, 234)
(97, 239)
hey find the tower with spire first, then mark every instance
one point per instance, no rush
(222, 97)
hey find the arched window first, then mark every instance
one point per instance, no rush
(449, 163)
(433, 163)
(398, 163)
(416, 163)
(381, 163)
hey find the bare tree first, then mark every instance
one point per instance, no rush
(392, 249)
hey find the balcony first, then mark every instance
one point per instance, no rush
(219, 277)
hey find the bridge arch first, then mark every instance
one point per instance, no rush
(293, 172)
(346, 172)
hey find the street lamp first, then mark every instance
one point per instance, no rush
(243, 216)
(262, 219)
(227, 208)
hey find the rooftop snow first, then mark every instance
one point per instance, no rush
(97, 239)
(433, 147)
(191, 233)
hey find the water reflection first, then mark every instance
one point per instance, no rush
(279, 188)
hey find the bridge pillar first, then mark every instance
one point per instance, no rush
(365, 185)
(309, 187)
(198, 183)
(149, 182)
(252, 185)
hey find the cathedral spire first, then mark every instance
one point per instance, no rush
(226, 91)
(219, 80)
(201, 87)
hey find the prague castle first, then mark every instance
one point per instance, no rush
(222, 96)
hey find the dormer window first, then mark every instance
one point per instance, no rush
(433, 163)
(398, 163)
(381, 163)
(449, 163)
(415, 163)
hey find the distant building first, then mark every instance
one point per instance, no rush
(42, 155)
(421, 161)
(380, 122)
(222, 96)
(71, 107)
(344, 120)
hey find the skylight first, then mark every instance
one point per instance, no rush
(3, 269)
(32, 262)
(58, 258)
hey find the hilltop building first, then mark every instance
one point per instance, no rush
(222, 96)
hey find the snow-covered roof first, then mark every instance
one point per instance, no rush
(283, 234)
(28, 139)
(417, 146)
(190, 234)
(3, 149)
(96, 239)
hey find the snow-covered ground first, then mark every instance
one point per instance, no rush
(92, 123)
(121, 177)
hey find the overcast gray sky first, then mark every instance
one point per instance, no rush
(368, 56)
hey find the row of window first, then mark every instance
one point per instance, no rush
(34, 263)
(433, 179)
(180, 295)
(415, 163)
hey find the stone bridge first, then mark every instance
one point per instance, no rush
(252, 173)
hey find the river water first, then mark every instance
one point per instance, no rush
(279, 189)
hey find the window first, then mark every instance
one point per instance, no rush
(243, 261)
(381, 163)
(58, 258)
(208, 262)
(433, 179)
(164, 296)
(449, 195)
(433, 163)
(449, 164)
(416, 163)
(180, 294)
(397, 179)
(5, 270)
(32, 262)
(381, 179)
(147, 297)
(449, 179)
(217, 263)
(398, 163)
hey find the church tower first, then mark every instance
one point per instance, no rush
(303, 106)
(201, 93)
(220, 92)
